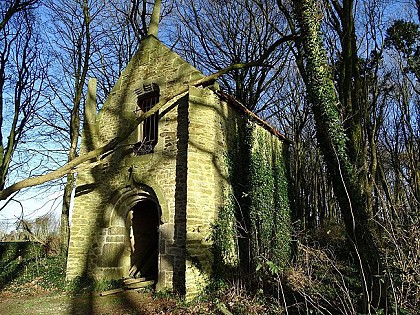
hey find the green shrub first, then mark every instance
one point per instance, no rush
(16, 259)
(10, 251)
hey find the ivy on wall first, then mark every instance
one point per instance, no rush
(253, 226)
(269, 203)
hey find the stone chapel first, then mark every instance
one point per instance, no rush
(148, 208)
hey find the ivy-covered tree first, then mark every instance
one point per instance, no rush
(338, 148)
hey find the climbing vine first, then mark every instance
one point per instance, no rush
(269, 208)
(253, 226)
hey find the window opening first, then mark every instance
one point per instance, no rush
(148, 130)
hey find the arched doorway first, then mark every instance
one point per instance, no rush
(144, 239)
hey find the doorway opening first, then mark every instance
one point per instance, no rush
(144, 238)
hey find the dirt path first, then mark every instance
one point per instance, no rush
(128, 302)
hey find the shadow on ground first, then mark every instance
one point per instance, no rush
(128, 302)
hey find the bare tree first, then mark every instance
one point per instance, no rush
(22, 82)
(72, 42)
(125, 27)
(215, 34)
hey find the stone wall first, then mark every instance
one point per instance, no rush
(99, 244)
(214, 128)
(205, 182)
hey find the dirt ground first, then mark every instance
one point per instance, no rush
(127, 302)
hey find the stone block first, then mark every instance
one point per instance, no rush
(117, 230)
(166, 263)
(115, 239)
(167, 231)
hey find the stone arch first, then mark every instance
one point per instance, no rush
(124, 199)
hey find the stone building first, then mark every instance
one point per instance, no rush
(149, 208)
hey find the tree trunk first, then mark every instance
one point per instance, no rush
(81, 69)
(336, 149)
(65, 214)
(154, 19)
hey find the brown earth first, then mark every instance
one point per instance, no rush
(127, 302)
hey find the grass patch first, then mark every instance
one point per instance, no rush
(81, 285)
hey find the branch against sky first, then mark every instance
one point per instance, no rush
(11, 7)
(23, 73)
(214, 34)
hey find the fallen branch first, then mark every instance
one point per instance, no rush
(114, 143)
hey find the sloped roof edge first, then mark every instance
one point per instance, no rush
(238, 105)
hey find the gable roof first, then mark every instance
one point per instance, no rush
(235, 103)
(142, 63)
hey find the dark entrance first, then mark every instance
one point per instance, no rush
(144, 240)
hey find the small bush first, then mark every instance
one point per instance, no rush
(10, 251)
(17, 259)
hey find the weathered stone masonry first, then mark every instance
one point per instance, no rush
(185, 176)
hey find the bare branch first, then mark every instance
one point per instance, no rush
(15, 7)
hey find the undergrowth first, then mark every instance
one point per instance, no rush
(322, 279)
(88, 285)
(47, 273)
(26, 267)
